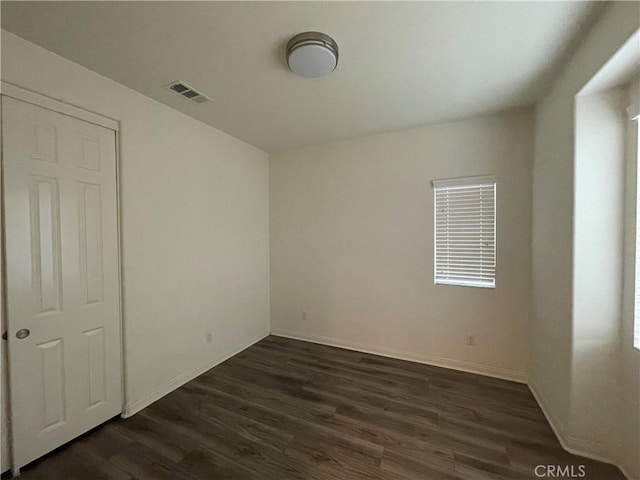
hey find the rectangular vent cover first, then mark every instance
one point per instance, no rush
(187, 92)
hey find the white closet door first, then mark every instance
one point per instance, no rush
(62, 276)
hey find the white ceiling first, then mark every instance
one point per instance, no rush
(401, 64)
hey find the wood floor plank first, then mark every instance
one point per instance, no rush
(142, 462)
(259, 458)
(295, 403)
(335, 461)
(70, 464)
(312, 348)
(480, 468)
(105, 441)
(246, 427)
(154, 435)
(413, 468)
(345, 396)
(203, 463)
(366, 393)
(411, 387)
(290, 410)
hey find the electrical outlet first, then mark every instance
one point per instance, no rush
(471, 340)
(209, 337)
(304, 316)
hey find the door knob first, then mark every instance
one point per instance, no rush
(22, 333)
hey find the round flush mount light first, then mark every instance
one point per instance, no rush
(312, 54)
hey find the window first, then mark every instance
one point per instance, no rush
(465, 231)
(636, 319)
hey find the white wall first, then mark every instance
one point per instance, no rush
(4, 421)
(352, 244)
(195, 225)
(598, 269)
(551, 373)
(628, 444)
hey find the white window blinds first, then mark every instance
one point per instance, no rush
(465, 231)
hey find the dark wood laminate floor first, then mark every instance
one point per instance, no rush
(291, 410)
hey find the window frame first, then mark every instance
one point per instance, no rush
(476, 181)
(634, 116)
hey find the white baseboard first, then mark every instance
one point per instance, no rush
(135, 406)
(569, 443)
(470, 367)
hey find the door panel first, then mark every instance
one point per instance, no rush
(95, 367)
(62, 276)
(91, 257)
(51, 373)
(45, 243)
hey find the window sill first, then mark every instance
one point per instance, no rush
(454, 283)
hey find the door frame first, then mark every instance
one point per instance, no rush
(64, 108)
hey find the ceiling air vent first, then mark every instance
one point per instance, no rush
(187, 92)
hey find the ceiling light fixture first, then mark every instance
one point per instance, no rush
(312, 54)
